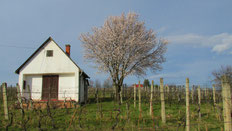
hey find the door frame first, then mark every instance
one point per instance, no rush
(50, 75)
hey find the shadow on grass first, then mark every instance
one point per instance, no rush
(93, 100)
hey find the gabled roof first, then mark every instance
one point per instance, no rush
(49, 39)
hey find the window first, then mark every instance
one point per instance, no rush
(49, 53)
(24, 85)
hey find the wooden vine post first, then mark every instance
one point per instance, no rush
(163, 117)
(199, 106)
(158, 91)
(167, 91)
(192, 94)
(199, 95)
(19, 97)
(154, 91)
(187, 106)
(226, 102)
(214, 95)
(30, 99)
(140, 108)
(134, 95)
(4, 93)
(206, 95)
(151, 98)
(178, 94)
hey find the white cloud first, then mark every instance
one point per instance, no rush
(220, 48)
(218, 43)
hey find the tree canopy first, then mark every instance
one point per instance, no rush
(123, 46)
(146, 83)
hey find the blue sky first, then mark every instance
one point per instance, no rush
(199, 33)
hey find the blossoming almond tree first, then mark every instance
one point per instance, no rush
(122, 47)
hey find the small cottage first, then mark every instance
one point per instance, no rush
(50, 73)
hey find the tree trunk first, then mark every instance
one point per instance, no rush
(118, 92)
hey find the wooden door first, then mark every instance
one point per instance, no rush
(50, 87)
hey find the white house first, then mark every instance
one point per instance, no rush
(50, 73)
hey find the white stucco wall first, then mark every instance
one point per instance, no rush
(59, 64)
(34, 81)
(67, 87)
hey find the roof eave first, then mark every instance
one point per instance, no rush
(18, 70)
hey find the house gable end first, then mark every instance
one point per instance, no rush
(38, 62)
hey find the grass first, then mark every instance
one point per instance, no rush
(103, 116)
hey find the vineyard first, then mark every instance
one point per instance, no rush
(169, 107)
